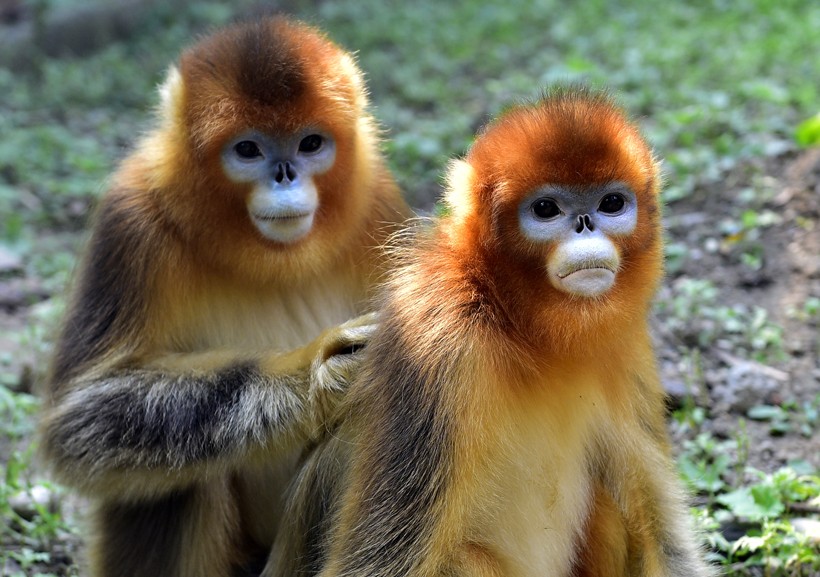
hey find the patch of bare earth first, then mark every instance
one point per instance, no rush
(787, 275)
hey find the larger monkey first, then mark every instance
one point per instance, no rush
(509, 420)
(198, 349)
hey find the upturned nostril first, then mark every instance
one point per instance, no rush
(579, 228)
(280, 174)
(584, 221)
(289, 172)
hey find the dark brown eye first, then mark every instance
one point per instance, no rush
(311, 143)
(612, 204)
(247, 149)
(545, 208)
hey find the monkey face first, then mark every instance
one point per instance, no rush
(556, 209)
(280, 169)
(580, 223)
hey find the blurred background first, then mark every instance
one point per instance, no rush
(727, 92)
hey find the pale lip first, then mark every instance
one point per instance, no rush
(281, 217)
(587, 282)
(586, 266)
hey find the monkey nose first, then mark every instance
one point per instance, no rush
(284, 172)
(584, 222)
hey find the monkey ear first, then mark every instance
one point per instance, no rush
(171, 93)
(460, 196)
(351, 70)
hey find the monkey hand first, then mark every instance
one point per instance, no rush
(334, 367)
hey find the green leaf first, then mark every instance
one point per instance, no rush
(808, 131)
(765, 413)
(768, 499)
(754, 503)
(801, 467)
(703, 475)
(740, 502)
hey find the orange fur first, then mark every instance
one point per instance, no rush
(502, 426)
(189, 372)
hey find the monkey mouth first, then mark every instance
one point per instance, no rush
(282, 217)
(593, 266)
(585, 279)
(283, 226)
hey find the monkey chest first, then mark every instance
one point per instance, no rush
(539, 487)
(269, 320)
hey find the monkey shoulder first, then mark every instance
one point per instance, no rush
(109, 298)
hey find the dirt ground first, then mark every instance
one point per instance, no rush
(788, 252)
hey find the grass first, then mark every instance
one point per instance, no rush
(756, 515)
(712, 82)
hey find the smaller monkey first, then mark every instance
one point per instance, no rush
(508, 420)
(203, 344)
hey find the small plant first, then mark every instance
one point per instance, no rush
(772, 542)
(27, 559)
(16, 411)
(743, 235)
(809, 312)
(808, 131)
(703, 463)
(689, 416)
(779, 549)
(691, 314)
(790, 416)
(28, 537)
(762, 509)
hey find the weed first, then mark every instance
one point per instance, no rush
(16, 411)
(702, 464)
(691, 314)
(808, 131)
(743, 235)
(809, 312)
(790, 416)
(774, 543)
(763, 507)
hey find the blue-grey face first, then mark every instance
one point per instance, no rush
(281, 168)
(580, 221)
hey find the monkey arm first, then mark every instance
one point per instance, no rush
(665, 547)
(640, 506)
(301, 544)
(396, 499)
(184, 416)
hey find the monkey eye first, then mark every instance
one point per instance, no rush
(612, 204)
(247, 149)
(311, 143)
(545, 208)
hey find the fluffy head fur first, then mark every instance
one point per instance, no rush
(274, 76)
(574, 138)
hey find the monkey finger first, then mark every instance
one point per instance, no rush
(335, 373)
(353, 335)
(346, 340)
(329, 382)
(370, 318)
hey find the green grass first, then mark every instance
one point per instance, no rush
(712, 83)
(760, 510)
